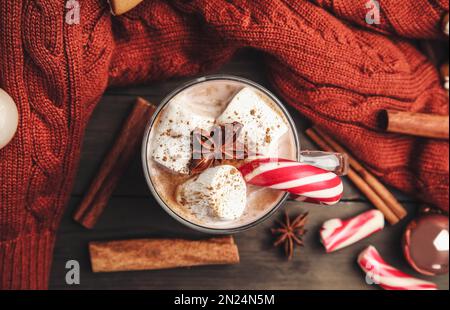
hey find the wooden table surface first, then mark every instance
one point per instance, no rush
(133, 213)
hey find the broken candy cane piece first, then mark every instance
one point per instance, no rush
(336, 234)
(387, 277)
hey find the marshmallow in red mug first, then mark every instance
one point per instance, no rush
(219, 192)
(262, 127)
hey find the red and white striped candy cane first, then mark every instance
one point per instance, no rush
(387, 277)
(336, 234)
(312, 183)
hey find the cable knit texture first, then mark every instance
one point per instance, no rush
(321, 57)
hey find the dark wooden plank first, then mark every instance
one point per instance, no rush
(261, 267)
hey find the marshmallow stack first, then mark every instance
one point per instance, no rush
(219, 192)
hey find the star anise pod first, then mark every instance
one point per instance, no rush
(218, 145)
(290, 233)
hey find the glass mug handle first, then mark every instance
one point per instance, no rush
(334, 162)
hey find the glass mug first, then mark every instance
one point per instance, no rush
(262, 202)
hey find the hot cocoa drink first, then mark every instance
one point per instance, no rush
(199, 139)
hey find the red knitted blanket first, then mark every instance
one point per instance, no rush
(322, 58)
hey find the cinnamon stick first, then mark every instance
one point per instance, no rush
(366, 182)
(116, 162)
(373, 197)
(417, 124)
(363, 186)
(154, 254)
(368, 177)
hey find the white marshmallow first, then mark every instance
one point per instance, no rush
(263, 127)
(219, 192)
(171, 145)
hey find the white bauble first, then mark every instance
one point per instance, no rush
(9, 118)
